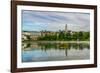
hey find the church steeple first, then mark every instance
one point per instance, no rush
(66, 28)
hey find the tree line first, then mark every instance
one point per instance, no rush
(65, 36)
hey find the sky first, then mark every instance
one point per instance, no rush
(54, 21)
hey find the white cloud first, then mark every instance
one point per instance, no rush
(57, 20)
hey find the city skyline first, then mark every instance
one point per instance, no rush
(54, 21)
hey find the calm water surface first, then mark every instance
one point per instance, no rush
(36, 51)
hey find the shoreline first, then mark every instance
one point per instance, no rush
(59, 41)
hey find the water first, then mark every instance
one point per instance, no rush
(39, 51)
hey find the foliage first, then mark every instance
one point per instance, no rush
(66, 36)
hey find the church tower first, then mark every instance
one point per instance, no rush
(66, 28)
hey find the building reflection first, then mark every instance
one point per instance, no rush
(56, 46)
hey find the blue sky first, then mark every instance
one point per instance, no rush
(54, 21)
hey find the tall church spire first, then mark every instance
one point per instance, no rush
(66, 28)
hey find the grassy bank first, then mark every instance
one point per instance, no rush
(59, 41)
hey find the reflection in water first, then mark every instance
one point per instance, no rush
(39, 51)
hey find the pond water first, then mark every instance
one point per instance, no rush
(38, 51)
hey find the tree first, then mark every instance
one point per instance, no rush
(79, 35)
(74, 36)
